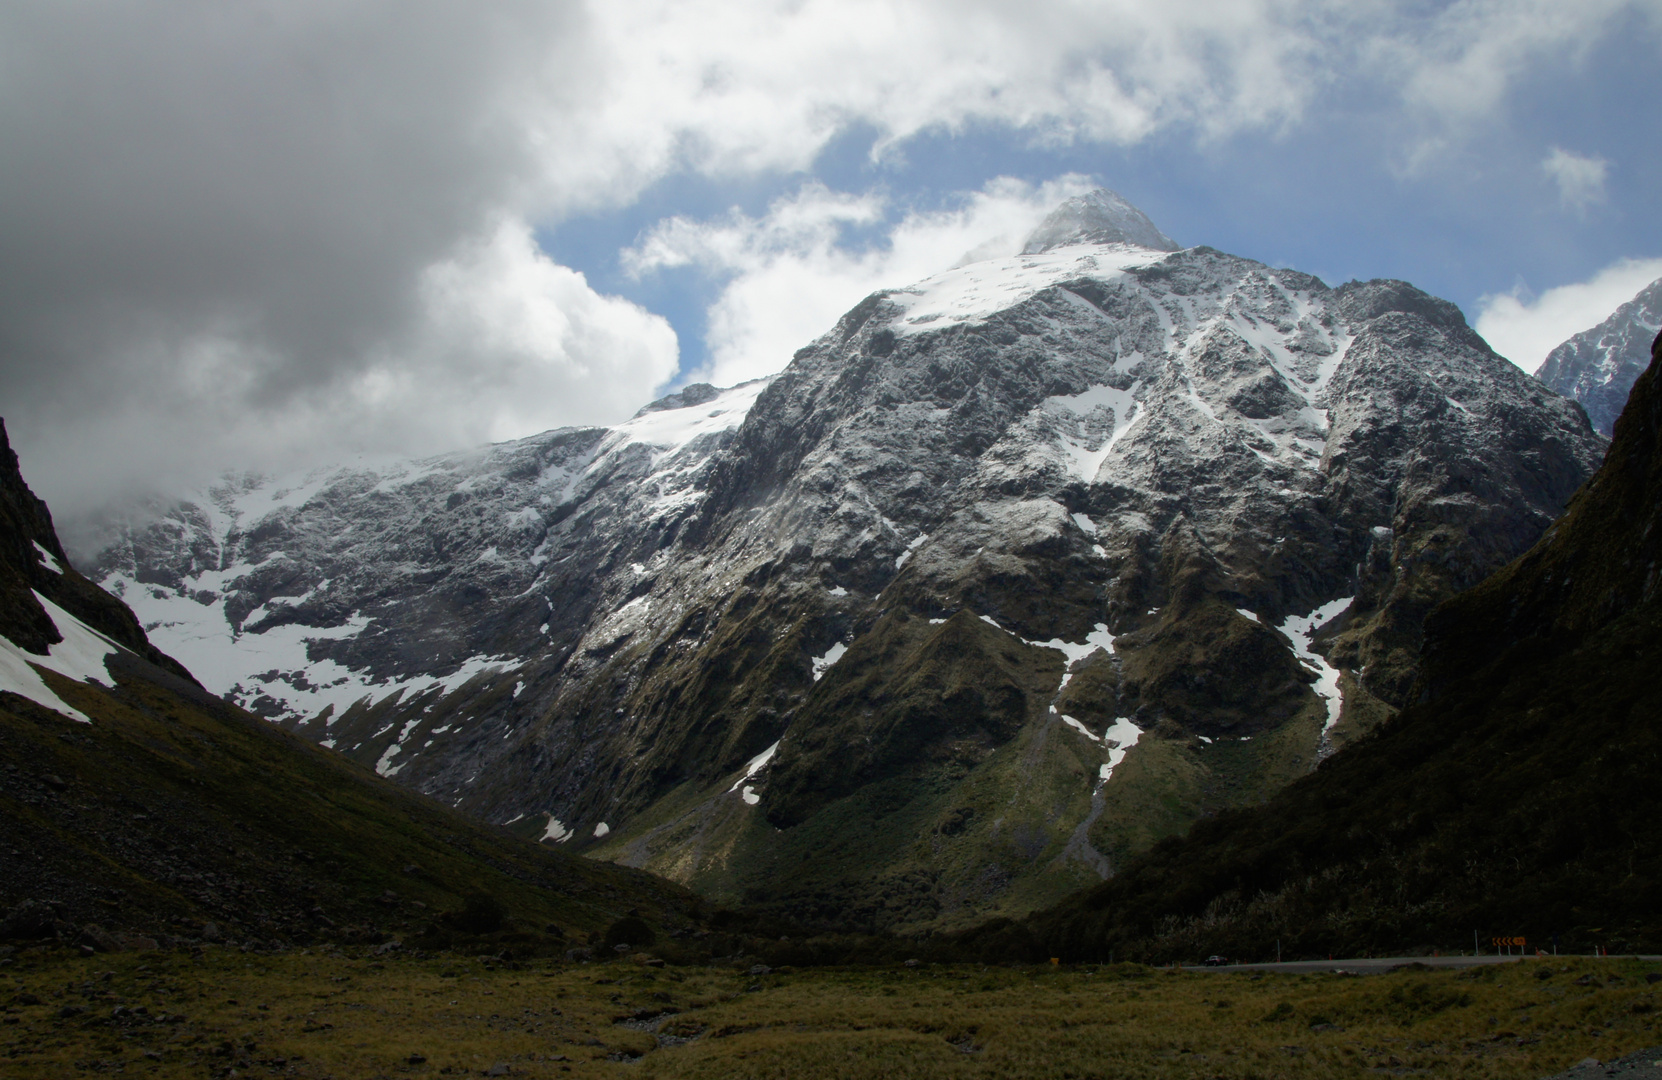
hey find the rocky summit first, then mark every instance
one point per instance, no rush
(1011, 574)
(1597, 367)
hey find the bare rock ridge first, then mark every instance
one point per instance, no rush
(1012, 573)
(1597, 367)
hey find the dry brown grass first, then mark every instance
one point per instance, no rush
(316, 1015)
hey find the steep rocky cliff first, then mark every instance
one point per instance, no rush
(35, 573)
(1516, 796)
(1597, 367)
(1009, 575)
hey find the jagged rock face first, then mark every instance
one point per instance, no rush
(1595, 566)
(415, 585)
(1597, 367)
(1519, 790)
(1012, 573)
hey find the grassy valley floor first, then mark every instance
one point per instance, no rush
(330, 1014)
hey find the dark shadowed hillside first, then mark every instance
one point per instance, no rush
(1519, 794)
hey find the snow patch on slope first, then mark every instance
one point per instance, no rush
(1299, 629)
(48, 558)
(970, 293)
(1098, 638)
(1081, 728)
(751, 769)
(669, 431)
(1120, 737)
(1083, 450)
(238, 665)
(385, 766)
(79, 656)
(822, 664)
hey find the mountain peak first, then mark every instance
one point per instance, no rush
(1097, 217)
(1598, 367)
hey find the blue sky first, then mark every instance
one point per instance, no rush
(1333, 194)
(274, 238)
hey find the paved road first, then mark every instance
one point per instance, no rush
(1378, 965)
(1639, 1065)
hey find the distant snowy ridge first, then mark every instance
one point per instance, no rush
(290, 655)
(968, 294)
(1597, 367)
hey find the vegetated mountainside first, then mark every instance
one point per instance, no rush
(1006, 577)
(137, 806)
(1516, 796)
(1597, 367)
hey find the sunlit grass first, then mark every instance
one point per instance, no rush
(300, 1014)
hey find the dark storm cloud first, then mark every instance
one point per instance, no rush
(212, 209)
(285, 168)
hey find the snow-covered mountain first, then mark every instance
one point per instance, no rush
(1013, 572)
(1597, 367)
(298, 596)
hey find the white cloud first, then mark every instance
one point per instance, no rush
(745, 85)
(1462, 61)
(1524, 329)
(739, 86)
(1580, 179)
(516, 343)
(791, 275)
(1454, 69)
(504, 342)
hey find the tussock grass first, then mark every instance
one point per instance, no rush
(337, 1015)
